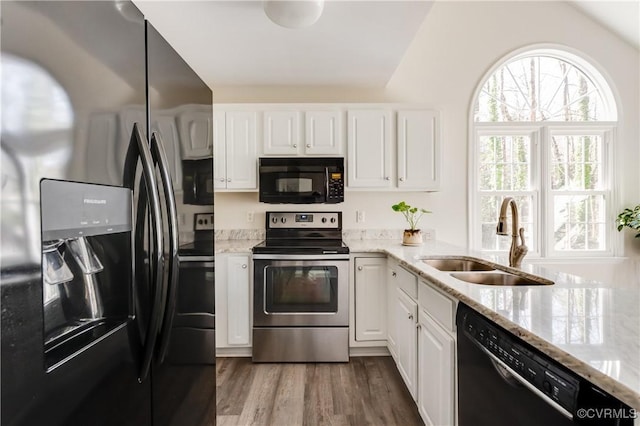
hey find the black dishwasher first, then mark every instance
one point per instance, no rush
(503, 380)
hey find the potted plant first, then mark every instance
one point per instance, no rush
(413, 235)
(629, 218)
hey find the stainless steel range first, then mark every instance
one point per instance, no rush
(301, 289)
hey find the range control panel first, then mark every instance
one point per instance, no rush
(539, 371)
(301, 220)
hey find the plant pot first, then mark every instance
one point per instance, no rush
(412, 237)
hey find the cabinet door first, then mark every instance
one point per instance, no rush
(196, 133)
(392, 285)
(281, 132)
(436, 401)
(241, 150)
(238, 300)
(406, 339)
(369, 149)
(323, 133)
(370, 299)
(220, 150)
(418, 150)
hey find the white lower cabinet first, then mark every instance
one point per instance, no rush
(233, 300)
(392, 286)
(370, 299)
(421, 339)
(406, 313)
(436, 366)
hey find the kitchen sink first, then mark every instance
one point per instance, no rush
(499, 278)
(457, 264)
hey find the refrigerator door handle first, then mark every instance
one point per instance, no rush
(171, 281)
(138, 149)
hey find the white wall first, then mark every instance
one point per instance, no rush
(460, 41)
(456, 45)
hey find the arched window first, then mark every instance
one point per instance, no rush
(542, 131)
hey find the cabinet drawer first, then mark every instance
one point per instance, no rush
(437, 305)
(407, 281)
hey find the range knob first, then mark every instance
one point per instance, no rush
(324, 220)
(333, 220)
(274, 220)
(283, 219)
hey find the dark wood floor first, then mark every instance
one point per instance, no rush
(365, 391)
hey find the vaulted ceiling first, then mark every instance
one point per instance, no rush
(354, 43)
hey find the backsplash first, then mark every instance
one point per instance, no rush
(382, 234)
(347, 234)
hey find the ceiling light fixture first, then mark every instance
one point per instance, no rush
(293, 13)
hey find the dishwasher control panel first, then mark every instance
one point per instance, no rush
(539, 371)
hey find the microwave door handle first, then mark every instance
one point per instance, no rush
(326, 184)
(138, 149)
(171, 279)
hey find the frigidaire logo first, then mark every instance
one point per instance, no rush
(94, 201)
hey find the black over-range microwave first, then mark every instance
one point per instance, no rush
(197, 182)
(301, 180)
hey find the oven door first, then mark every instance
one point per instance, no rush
(296, 187)
(301, 291)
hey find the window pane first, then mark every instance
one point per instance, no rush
(504, 163)
(489, 212)
(576, 162)
(539, 88)
(579, 222)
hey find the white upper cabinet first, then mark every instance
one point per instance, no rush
(235, 166)
(418, 150)
(369, 147)
(323, 132)
(281, 132)
(196, 132)
(220, 150)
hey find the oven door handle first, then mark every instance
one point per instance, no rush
(301, 256)
(507, 373)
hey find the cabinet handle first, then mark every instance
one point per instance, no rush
(393, 274)
(228, 179)
(221, 179)
(308, 145)
(295, 145)
(244, 266)
(387, 178)
(410, 316)
(359, 268)
(418, 326)
(401, 179)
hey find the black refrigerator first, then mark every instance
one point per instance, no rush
(101, 123)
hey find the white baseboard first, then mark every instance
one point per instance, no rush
(233, 352)
(369, 351)
(246, 352)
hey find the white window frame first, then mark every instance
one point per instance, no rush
(513, 129)
(540, 158)
(606, 131)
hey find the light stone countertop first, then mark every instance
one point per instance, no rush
(593, 328)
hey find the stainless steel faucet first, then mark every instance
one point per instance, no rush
(516, 252)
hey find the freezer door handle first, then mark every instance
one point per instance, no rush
(170, 280)
(138, 149)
